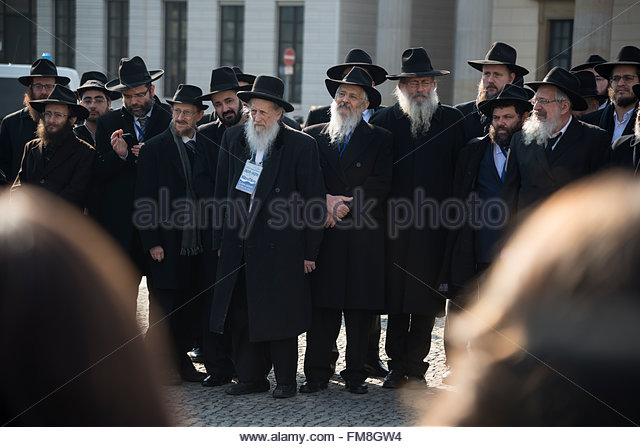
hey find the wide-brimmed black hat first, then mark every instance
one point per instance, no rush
(269, 88)
(588, 87)
(63, 96)
(243, 77)
(519, 81)
(223, 79)
(416, 64)
(43, 68)
(500, 54)
(592, 61)
(94, 80)
(358, 58)
(356, 76)
(132, 73)
(188, 94)
(636, 90)
(510, 93)
(565, 81)
(628, 55)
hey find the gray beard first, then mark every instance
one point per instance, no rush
(539, 131)
(340, 126)
(419, 114)
(260, 140)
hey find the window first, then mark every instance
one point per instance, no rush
(231, 35)
(290, 32)
(117, 34)
(65, 33)
(560, 41)
(17, 31)
(175, 46)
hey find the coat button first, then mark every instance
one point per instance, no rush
(41, 181)
(277, 189)
(358, 164)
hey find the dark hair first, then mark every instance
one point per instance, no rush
(518, 105)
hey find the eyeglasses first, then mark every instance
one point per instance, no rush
(352, 96)
(544, 102)
(41, 87)
(56, 115)
(628, 79)
(136, 95)
(416, 84)
(186, 113)
(97, 101)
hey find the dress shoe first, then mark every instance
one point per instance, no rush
(284, 391)
(211, 380)
(357, 387)
(196, 355)
(395, 379)
(376, 368)
(191, 375)
(241, 388)
(313, 387)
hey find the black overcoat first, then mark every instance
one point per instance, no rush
(475, 123)
(414, 254)
(350, 267)
(17, 129)
(606, 121)
(271, 248)
(622, 153)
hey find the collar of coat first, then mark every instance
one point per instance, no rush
(398, 113)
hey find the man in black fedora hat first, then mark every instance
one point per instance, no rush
(356, 57)
(426, 139)
(57, 160)
(20, 127)
(626, 150)
(553, 149)
(498, 68)
(589, 92)
(268, 173)
(618, 118)
(478, 183)
(356, 164)
(141, 117)
(93, 95)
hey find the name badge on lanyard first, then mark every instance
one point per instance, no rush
(249, 178)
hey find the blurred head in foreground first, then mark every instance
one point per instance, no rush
(70, 351)
(554, 337)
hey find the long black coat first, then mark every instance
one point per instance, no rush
(529, 179)
(414, 258)
(115, 179)
(622, 153)
(17, 129)
(475, 123)
(68, 173)
(279, 304)
(606, 121)
(350, 268)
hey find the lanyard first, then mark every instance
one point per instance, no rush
(342, 148)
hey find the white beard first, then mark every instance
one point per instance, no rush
(419, 114)
(261, 140)
(341, 126)
(539, 131)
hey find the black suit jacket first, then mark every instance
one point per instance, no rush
(606, 121)
(623, 151)
(350, 267)
(17, 129)
(529, 179)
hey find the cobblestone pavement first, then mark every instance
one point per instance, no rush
(194, 405)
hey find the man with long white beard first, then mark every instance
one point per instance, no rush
(427, 138)
(356, 164)
(553, 149)
(57, 160)
(626, 153)
(269, 237)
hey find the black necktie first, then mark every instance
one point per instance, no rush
(551, 142)
(191, 150)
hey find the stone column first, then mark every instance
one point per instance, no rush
(591, 30)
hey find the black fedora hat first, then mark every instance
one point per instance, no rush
(63, 96)
(268, 88)
(565, 81)
(588, 87)
(94, 80)
(519, 81)
(243, 77)
(416, 64)
(223, 79)
(509, 94)
(628, 55)
(133, 72)
(43, 68)
(636, 90)
(500, 54)
(356, 76)
(592, 61)
(188, 94)
(358, 58)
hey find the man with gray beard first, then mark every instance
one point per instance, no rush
(625, 150)
(427, 138)
(553, 149)
(356, 164)
(269, 176)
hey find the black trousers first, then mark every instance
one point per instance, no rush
(325, 327)
(409, 342)
(253, 360)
